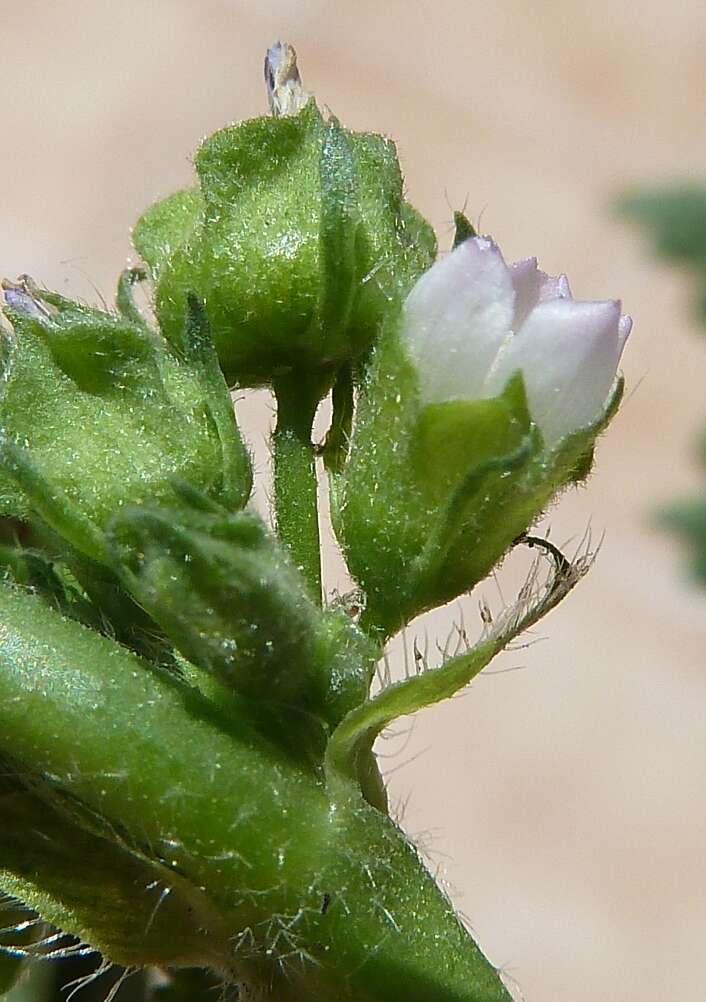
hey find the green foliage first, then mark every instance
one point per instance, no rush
(675, 218)
(688, 520)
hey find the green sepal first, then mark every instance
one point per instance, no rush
(97, 411)
(249, 619)
(165, 226)
(400, 504)
(125, 298)
(39, 558)
(352, 742)
(575, 454)
(469, 457)
(46, 500)
(298, 242)
(340, 232)
(447, 434)
(463, 229)
(509, 493)
(376, 505)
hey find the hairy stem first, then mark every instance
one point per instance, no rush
(295, 486)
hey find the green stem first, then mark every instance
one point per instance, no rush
(324, 897)
(295, 482)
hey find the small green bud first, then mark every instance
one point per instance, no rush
(97, 411)
(297, 239)
(249, 619)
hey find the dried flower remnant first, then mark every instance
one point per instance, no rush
(284, 86)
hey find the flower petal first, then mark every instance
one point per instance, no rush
(624, 328)
(456, 318)
(568, 352)
(554, 287)
(533, 286)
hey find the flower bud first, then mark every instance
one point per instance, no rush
(97, 411)
(296, 239)
(249, 620)
(483, 400)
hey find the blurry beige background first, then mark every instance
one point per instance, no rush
(564, 802)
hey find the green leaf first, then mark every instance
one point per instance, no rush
(352, 741)
(687, 520)
(675, 218)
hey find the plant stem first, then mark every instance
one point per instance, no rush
(295, 482)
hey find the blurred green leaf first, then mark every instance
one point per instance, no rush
(675, 218)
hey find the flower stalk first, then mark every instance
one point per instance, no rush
(296, 502)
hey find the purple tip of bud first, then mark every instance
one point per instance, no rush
(21, 301)
(274, 53)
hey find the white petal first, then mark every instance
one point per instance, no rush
(456, 318)
(554, 287)
(568, 352)
(533, 286)
(624, 328)
(527, 281)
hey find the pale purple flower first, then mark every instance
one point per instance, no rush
(472, 321)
